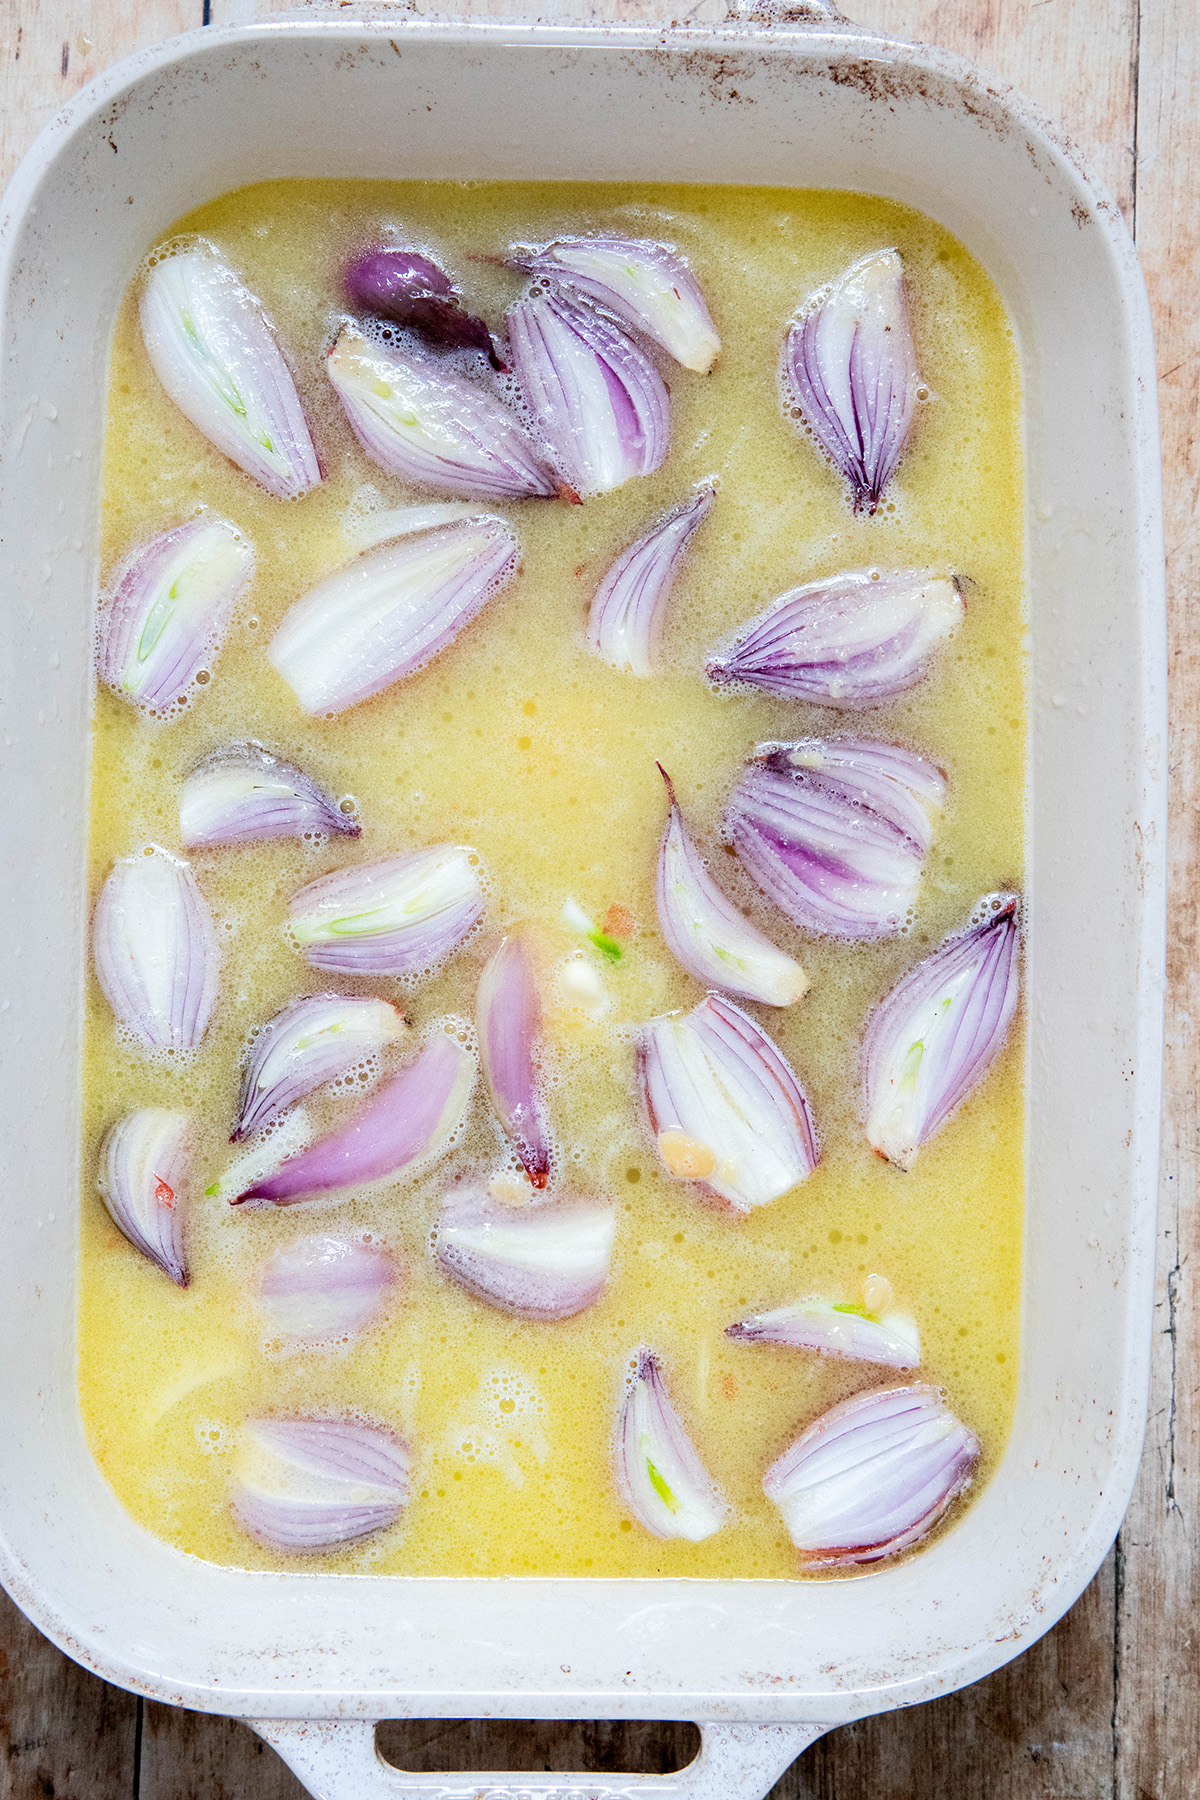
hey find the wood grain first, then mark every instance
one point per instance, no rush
(1108, 1704)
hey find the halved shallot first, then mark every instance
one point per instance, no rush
(872, 1476)
(314, 1484)
(659, 1475)
(390, 611)
(548, 1259)
(850, 640)
(169, 612)
(218, 359)
(646, 284)
(155, 950)
(836, 1330)
(706, 933)
(401, 916)
(835, 831)
(310, 1042)
(850, 367)
(324, 1289)
(421, 418)
(938, 1032)
(508, 1018)
(142, 1180)
(625, 622)
(410, 289)
(597, 401)
(242, 794)
(726, 1108)
(408, 1121)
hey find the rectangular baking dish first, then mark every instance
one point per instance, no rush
(313, 1660)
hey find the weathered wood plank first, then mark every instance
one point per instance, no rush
(1157, 1724)
(50, 48)
(64, 1735)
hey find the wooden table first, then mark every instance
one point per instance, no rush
(1109, 1702)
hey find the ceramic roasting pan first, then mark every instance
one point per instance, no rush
(764, 1667)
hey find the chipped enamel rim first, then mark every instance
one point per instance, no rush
(823, 104)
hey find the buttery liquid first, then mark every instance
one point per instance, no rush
(519, 742)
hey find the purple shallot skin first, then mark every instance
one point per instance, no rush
(411, 290)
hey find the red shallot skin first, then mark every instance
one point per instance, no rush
(872, 1476)
(508, 1022)
(326, 1288)
(410, 289)
(546, 1260)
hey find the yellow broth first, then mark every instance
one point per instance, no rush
(519, 742)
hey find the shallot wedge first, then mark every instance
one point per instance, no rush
(835, 831)
(648, 285)
(726, 1109)
(850, 367)
(547, 1260)
(851, 640)
(310, 1042)
(408, 1121)
(401, 916)
(597, 401)
(264, 1155)
(872, 1476)
(625, 623)
(508, 1019)
(835, 1330)
(659, 1475)
(242, 794)
(219, 361)
(411, 289)
(314, 1484)
(171, 606)
(390, 611)
(936, 1035)
(143, 1180)
(707, 934)
(325, 1289)
(155, 950)
(421, 418)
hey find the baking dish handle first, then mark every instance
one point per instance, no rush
(336, 1759)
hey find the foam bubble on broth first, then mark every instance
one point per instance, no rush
(519, 742)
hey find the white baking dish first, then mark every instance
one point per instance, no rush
(765, 1666)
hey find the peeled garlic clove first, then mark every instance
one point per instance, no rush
(872, 1476)
(852, 640)
(707, 934)
(835, 831)
(408, 1121)
(626, 617)
(412, 290)
(937, 1033)
(385, 615)
(544, 1260)
(647, 285)
(143, 1179)
(324, 1288)
(508, 1020)
(155, 950)
(219, 361)
(834, 1330)
(242, 794)
(401, 916)
(659, 1476)
(421, 418)
(725, 1107)
(313, 1484)
(597, 401)
(169, 611)
(309, 1043)
(850, 366)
